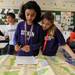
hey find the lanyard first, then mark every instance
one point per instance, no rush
(30, 33)
(46, 39)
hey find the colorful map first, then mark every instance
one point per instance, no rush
(45, 66)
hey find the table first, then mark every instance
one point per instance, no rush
(46, 66)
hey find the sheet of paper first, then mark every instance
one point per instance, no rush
(26, 60)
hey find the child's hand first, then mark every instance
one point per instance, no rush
(17, 48)
(26, 48)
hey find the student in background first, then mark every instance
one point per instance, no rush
(72, 35)
(71, 40)
(53, 38)
(12, 25)
(28, 35)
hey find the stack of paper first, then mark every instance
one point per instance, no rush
(25, 60)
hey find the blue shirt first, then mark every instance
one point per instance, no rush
(52, 44)
(34, 41)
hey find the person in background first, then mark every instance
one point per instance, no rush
(12, 25)
(71, 40)
(28, 35)
(53, 38)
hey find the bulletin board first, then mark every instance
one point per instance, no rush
(11, 3)
(57, 5)
(60, 9)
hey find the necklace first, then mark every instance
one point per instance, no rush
(30, 33)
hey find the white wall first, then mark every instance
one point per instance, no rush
(56, 5)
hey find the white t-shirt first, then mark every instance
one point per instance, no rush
(10, 32)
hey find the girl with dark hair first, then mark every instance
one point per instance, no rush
(28, 35)
(52, 37)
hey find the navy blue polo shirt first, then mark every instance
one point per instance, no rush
(34, 41)
(52, 44)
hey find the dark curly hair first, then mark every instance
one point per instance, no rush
(31, 5)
